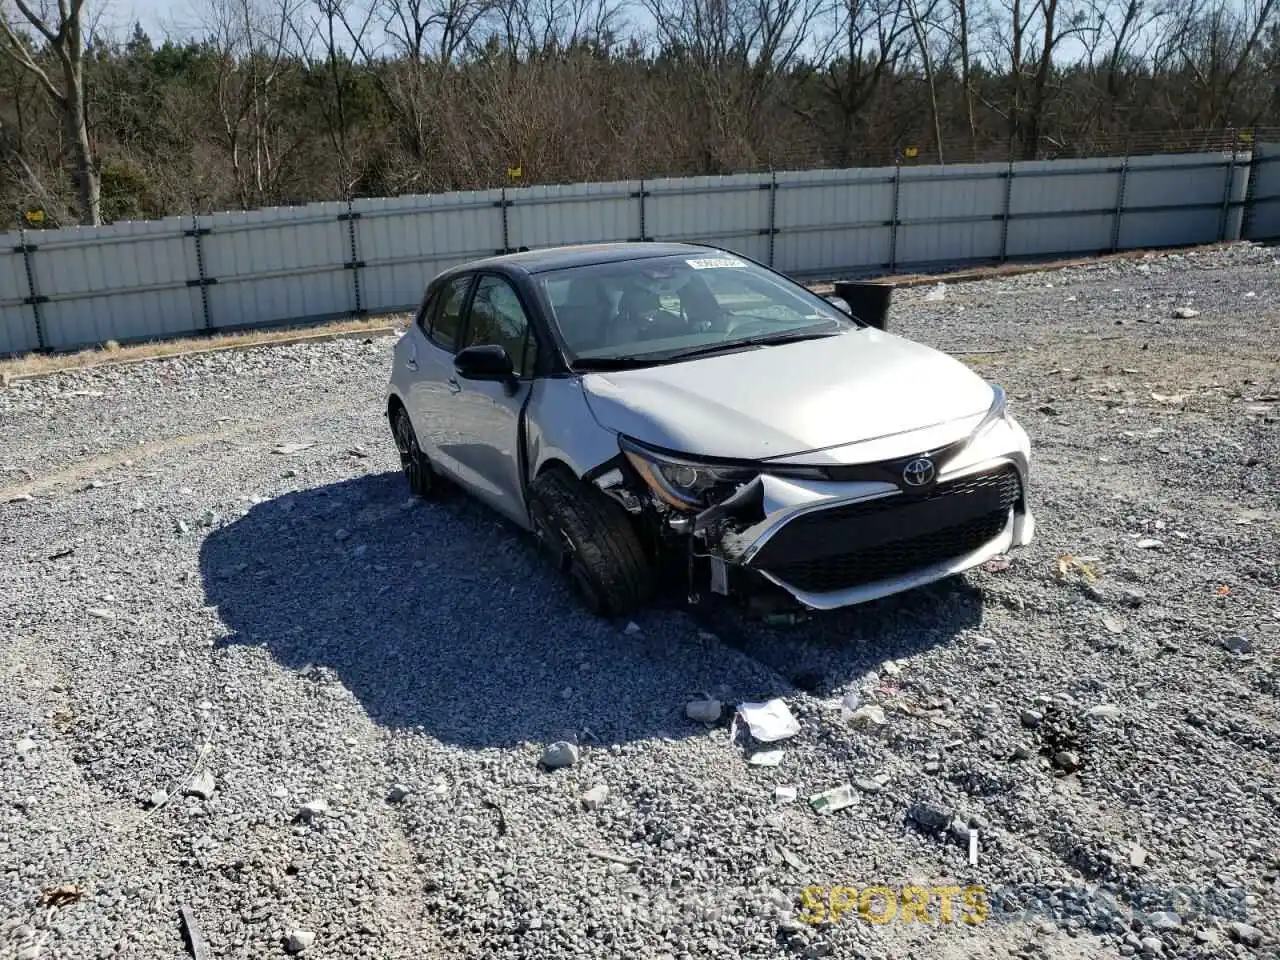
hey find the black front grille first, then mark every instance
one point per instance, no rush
(892, 559)
(859, 542)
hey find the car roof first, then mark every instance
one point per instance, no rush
(585, 254)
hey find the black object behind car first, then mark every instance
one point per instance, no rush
(868, 300)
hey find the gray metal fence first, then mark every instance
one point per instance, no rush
(136, 281)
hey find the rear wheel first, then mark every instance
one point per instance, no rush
(590, 538)
(416, 466)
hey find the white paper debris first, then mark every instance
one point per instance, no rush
(765, 758)
(784, 794)
(769, 721)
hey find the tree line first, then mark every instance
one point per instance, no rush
(272, 102)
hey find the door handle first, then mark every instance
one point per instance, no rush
(454, 385)
(411, 363)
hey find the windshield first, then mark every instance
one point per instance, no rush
(665, 308)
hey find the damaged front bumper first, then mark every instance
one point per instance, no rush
(832, 544)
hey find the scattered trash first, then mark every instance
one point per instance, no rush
(310, 810)
(101, 613)
(612, 857)
(1168, 397)
(766, 758)
(837, 798)
(594, 798)
(1068, 563)
(769, 721)
(1150, 543)
(784, 794)
(291, 448)
(1137, 856)
(1103, 711)
(25, 746)
(202, 786)
(937, 294)
(704, 711)
(1113, 625)
(191, 933)
(997, 564)
(1223, 590)
(61, 895)
(871, 715)
(793, 861)
(1186, 313)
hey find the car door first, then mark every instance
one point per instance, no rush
(488, 458)
(434, 381)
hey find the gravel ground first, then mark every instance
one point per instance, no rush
(266, 685)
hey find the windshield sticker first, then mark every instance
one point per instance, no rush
(712, 263)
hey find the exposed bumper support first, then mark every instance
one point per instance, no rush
(736, 532)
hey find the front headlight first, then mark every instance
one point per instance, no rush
(680, 483)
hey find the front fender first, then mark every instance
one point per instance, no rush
(559, 427)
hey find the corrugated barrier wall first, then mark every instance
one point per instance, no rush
(135, 281)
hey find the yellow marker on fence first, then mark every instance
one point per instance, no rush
(34, 217)
(514, 172)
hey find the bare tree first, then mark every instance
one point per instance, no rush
(320, 30)
(921, 19)
(61, 30)
(734, 53)
(864, 44)
(249, 41)
(1217, 42)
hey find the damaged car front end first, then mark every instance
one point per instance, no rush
(841, 527)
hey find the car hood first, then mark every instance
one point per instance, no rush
(778, 401)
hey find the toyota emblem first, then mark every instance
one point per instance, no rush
(918, 472)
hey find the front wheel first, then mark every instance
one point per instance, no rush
(590, 538)
(416, 466)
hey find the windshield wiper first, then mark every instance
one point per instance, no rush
(763, 340)
(615, 363)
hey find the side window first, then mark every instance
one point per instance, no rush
(448, 318)
(423, 319)
(497, 317)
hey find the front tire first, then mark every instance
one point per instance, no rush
(590, 538)
(417, 468)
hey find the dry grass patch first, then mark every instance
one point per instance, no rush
(37, 364)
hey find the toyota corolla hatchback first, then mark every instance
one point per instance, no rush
(654, 411)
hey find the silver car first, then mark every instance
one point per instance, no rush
(662, 413)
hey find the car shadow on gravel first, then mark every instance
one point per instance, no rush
(440, 616)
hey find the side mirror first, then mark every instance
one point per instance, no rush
(840, 304)
(485, 361)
